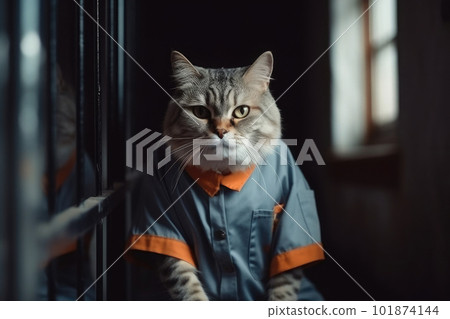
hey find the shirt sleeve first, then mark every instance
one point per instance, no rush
(155, 227)
(296, 240)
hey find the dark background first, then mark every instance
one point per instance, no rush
(225, 35)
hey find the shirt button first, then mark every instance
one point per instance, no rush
(220, 235)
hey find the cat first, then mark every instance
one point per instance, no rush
(232, 86)
(216, 241)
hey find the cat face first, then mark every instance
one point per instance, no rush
(227, 112)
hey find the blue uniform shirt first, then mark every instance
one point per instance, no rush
(237, 229)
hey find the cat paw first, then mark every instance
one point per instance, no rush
(282, 296)
(198, 297)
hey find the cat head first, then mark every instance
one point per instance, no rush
(227, 112)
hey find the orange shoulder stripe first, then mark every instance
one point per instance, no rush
(295, 258)
(162, 245)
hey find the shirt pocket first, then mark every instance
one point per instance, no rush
(259, 243)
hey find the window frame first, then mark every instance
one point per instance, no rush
(375, 133)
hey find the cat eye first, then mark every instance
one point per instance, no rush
(201, 112)
(241, 111)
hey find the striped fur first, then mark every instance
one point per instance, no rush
(181, 280)
(183, 284)
(285, 286)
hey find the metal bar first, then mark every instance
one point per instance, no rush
(100, 228)
(51, 66)
(115, 120)
(100, 232)
(81, 98)
(10, 155)
(116, 281)
(111, 91)
(121, 71)
(24, 156)
(80, 101)
(4, 160)
(123, 120)
(98, 104)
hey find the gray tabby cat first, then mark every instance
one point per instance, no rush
(222, 105)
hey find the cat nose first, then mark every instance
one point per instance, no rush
(221, 132)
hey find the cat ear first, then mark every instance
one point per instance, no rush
(183, 70)
(258, 74)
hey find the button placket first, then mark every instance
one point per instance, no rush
(221, 246)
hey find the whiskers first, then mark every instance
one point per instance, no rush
(182, 156)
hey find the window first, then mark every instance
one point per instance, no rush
(382, 54)
(364, 73)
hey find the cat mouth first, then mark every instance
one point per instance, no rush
(214, 142)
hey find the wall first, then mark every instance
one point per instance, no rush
(388, 216)
(424, 70)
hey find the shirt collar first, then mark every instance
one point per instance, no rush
(210, 181)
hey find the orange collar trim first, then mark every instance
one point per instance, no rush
(210, 181)
(62, 174)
